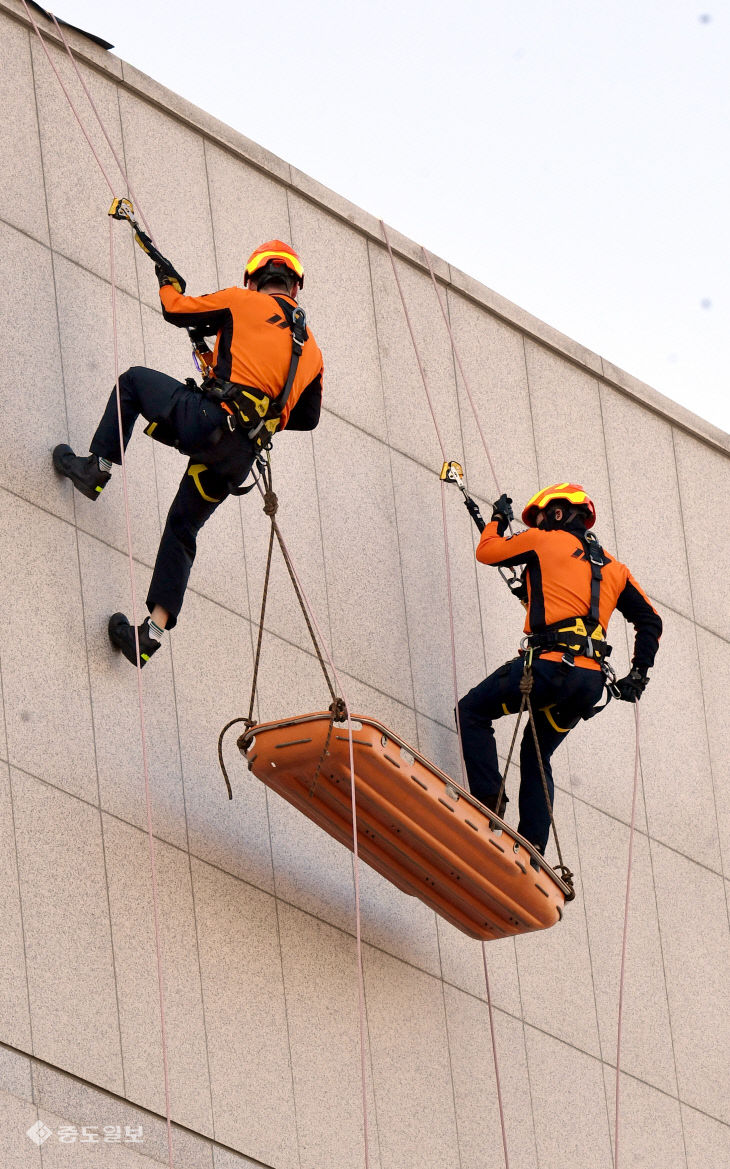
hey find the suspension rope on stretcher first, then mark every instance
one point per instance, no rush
(453, 667)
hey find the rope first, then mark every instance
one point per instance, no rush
(145, 767)
(453, 659)
(339, 710)
(637, 761)
(464, 378)
(143, 735)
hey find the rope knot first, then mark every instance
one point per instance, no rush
(338, 709)
(566, 876)
(271, 502)
(526, 681)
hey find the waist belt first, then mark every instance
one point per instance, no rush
(576, 637)
(249, 410)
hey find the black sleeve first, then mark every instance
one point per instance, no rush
(208, 323)
(306, 410)
(633, 605)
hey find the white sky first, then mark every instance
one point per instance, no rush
(573, 155)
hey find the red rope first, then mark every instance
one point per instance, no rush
(145, 763)
(637, 760)
(355, 850)
(453, 652)
(461, 368)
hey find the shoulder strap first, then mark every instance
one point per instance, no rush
(594, 552)
(297, 320)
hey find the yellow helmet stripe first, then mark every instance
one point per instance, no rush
(258, 261)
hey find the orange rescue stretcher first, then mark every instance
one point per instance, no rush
(415, 826)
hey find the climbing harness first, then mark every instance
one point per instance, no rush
(250, 410)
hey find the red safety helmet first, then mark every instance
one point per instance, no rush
(570, 492)
(271, 256)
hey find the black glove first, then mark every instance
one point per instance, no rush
(169, 276)
(502, 513)
(633, 685)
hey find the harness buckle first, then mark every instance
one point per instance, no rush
(231, 421)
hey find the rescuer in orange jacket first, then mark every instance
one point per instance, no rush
(572, 588)
(264, 374)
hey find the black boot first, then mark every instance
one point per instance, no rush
(121, 635)
(85, 474)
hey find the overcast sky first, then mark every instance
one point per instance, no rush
(573, 155)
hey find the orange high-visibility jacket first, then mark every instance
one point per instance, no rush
(253, 345)
(558, 577)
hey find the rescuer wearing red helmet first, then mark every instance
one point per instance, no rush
(264, 374)
(572, 587)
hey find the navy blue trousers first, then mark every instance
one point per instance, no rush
(191, 419)
(560, 695)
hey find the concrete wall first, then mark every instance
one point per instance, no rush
(256, 905)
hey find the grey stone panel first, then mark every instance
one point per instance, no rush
(707, 1140)
(411, 427)
(704, 481)
(401, 925)
(22, 194)
(28, 314)
(14, 1011)
(338, 298)
(3, 736)
(77, 192)
(367, 610)
(440, 598)
(181, 224)
(646, 1045)
(67, 937)
(650, 1123)
(89, 378)
(43, 649)
(570, 1017)
(115, 702)
(324, 1033)
(602, 751)
(295, 476)
(80, 1103)
(567, 1127)
(233, 835)
(15, 1074)
(132, 916)
(462, 965)
(566, 416)
(16, 1117)
(440, 744)
(412, 1076)
(696, 948)
(649, 535)
(72, 1151)
(475, 1084)
(247, 207)
(494, 404)
(715, 672)
(245, 1018)
(675, 760)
